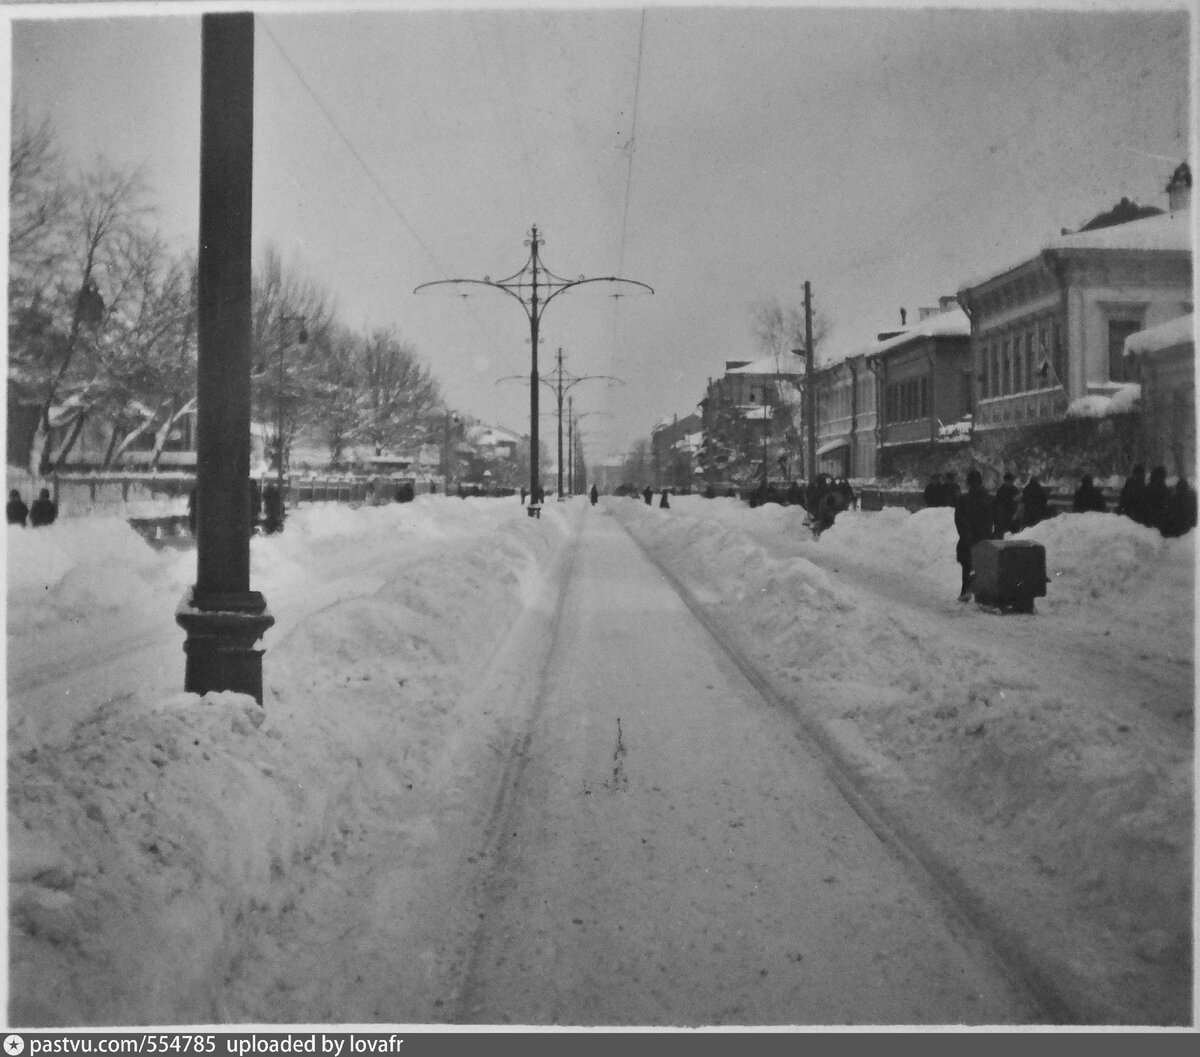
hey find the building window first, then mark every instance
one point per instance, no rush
(1030, 361)
(1005, 368)
(1122, 368)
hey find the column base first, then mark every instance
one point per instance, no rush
(221, 632)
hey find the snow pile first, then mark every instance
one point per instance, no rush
(65, 573)
(148, 826)
(1070, 768)
(1100, 405)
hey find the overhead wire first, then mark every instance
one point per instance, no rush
(631, 150)
(368, 172)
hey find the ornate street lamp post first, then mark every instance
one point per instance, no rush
(534, 286)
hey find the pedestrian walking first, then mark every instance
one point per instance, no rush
(595, 495)
(648, 494)
(1088, 498)
(1035, 503)
(523, 495)
(663, 503)
(975, 521)
(950, 489)
(1155, 499)
(16, 509)
(1008, 500)
(272, 509)
(844, 489)
(1129, 502)
(44, 510)
(1181, 510)
(933, 490)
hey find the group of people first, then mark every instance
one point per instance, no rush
(824, 498)
(978, 515)
(648, 495)
(43, 512)
(1155, 504)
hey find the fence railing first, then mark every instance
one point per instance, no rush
(164, 495)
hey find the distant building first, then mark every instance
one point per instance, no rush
(674, 445)
(1051, 330)
(845, 399)
(922, 386)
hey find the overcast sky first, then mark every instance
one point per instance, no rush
(721, 155)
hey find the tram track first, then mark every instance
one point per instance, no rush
(1059, 1003)
(524, 955)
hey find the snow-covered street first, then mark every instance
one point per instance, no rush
(617, 765)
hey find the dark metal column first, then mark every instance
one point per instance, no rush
(223, 618)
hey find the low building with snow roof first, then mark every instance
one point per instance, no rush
(1048, 334)
(886, 410)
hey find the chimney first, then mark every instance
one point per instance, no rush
(1179, 190)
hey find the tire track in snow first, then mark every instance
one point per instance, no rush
(493, 884)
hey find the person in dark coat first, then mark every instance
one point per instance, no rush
(1008, 498)
(523, 495)
(975, 520)
(1181, 510)
(1156, 498)
(816, 492)
(272, 509)
(648, 494)
(933, 491)
(1035, 503)
(831, 503)
(846, 491)
(1129, 502)
(44, 509)
(950, 490)
(1088, 498)
(663, 503)
(17, 510)
(710, 492)
(594, 494)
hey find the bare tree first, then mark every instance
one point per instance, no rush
(398, 393)
(104, 217)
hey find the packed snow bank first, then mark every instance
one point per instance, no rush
(147, 825)
(1062, 741)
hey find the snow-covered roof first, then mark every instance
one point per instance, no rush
(1176, 331)
(756, 411)
(786, 364)
(951, 323)
(1166, 231)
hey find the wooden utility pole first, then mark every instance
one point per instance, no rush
(810, 395)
